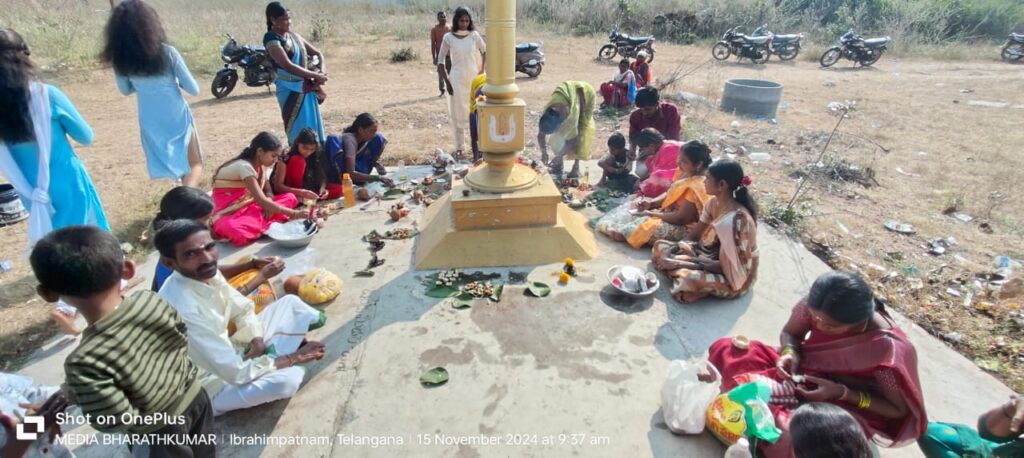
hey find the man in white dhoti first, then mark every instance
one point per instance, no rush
(259, 361)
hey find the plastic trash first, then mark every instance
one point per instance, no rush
(758, 158)
(685, 398)
(743, 412)
(741, 449)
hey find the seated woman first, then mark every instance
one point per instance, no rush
(847, 351)
(659, 158)
(719, 255)
(998, 435)
(301, 170)
(244, 205)
(357, 152)
(621, 90)
(250, 277)
(679, 208)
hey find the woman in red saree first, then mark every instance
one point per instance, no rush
(853, 356)
(244, 205)
(303, 169)
(659, 157)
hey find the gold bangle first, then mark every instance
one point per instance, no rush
(788, 350)
(865, 400)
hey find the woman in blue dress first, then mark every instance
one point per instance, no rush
(298, 88)
(37, 114)
(145, 64)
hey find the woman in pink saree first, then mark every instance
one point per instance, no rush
(840, 346)
(659, 157)
(244, 205)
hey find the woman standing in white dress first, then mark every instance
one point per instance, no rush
(467, 50)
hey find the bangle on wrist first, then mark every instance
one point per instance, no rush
(788, 350)
(846, 391)
(865, 400)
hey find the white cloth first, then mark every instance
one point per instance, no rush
(40, 208)
(466, 64)
(277, 385)
(207, 308)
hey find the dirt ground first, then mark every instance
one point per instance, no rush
(917, 127)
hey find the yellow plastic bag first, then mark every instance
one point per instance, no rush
(743, 412)
(319, 286)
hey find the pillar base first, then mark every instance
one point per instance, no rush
(489, 178)
(530, 227)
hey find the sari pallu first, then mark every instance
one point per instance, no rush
(731, 240)
(238, 217)
(297, 98)
(883, 359)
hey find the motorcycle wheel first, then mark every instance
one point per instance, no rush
(650, 54)
(1008, 51)
(534, 71)
(607, 52)
(830, 57)
(870, 60)
(765, 55)
(223, 83)
(721, 51)
(789, 53)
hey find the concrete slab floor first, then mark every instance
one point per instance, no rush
(577, 373)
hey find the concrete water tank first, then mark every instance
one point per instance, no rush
(755, 98)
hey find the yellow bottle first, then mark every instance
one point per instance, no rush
(350, 194)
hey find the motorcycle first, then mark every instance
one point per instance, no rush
(254, 60)
(529, 59)
(1014, 47)
(854, 47)
(757, 49)
(787, 47)
(626, 46)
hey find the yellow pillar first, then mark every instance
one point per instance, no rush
(502, 116)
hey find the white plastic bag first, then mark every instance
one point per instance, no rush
(685, 399)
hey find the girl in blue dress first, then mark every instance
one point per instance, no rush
(36, 114)
(298, 87)
(146, 65)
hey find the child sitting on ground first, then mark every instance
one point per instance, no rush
(133, 358)
(615, 165)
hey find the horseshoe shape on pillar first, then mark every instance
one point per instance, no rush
(506, 138)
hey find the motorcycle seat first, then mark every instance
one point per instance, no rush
(785, 38)
(257, 48)
(638, 40)
(876, 42)
(757, 40)
(527, 47)
(1018, 37)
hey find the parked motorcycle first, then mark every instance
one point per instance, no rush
(254, 60)
(787, 47)
(529, 59)
(854, 47)
(1014, 47)
(757, 49)
(626, 46)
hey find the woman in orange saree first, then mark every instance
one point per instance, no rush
(244, 205)
(677, 210)
(719, 256)
(840, 346)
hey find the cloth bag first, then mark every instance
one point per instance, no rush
(685, 399)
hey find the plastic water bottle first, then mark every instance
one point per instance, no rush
(401, 170)
(741, 449)
(347, 188)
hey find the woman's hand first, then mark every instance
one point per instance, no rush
(293, 213)
(320, 78)
(825, 390)
(387, 181)
(643, 204)
(787, 365)
(305, 194)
